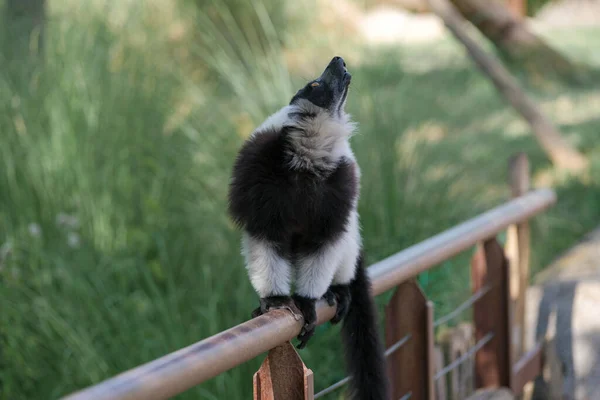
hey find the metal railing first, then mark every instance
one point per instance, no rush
(409, 325)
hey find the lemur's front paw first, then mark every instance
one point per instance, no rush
(272, 303)
(329, 297)
(306, 306)
(341, 296)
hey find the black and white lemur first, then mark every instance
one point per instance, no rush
(294, 192)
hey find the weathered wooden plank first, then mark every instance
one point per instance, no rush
(283, 376)
(406, 314)
(489, 266)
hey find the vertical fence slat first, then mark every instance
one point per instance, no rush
(441, 390)
(430, 351)
(456, 342)
(283, 376)
(518, 252)
(406, 313)
(491, 314)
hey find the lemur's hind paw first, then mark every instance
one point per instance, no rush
(272, 303)
(306, 306)
(341, 295)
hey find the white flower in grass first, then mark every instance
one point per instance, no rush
(70, 221)
(73, 222)
(73, 240)
(61, 219)
(34, 230)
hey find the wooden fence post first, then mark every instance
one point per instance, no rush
(518, 253)
(283, 376)
(408, 313)
(489, 267)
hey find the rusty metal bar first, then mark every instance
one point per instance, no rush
(409, 263)
(179, 371)
(528, 368)
(476, 347)
(468, 303)
(192, 365)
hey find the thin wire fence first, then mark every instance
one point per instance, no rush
(344, 381)
(469, 354)
(461, 308)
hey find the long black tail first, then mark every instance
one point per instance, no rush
(364, 350)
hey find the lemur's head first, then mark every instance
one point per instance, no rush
(328, 91)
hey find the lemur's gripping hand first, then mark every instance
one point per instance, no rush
(340, 295)
(307, 308)
(272, 303)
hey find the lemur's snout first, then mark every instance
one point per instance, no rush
(337, 59)
(337, 66)
(336, 72)
(328, 91)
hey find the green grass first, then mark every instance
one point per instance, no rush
(133, 137)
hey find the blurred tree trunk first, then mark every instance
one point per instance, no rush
(511, 36)
(24, 26)
(561, 152)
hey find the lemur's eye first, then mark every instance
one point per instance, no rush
(314, 84)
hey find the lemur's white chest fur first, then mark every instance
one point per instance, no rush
(319, 141)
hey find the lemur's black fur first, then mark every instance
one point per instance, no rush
(294, 192)
(297, 210)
